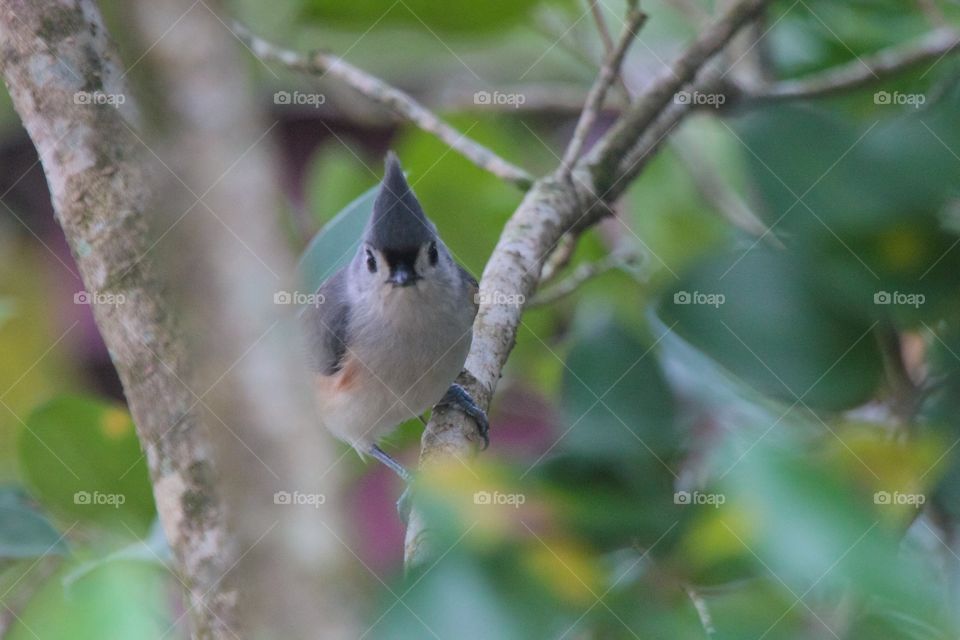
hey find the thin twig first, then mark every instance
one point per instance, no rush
(860, 72)
(602, 28)
(319, 63)
(619, 141)
(625, 260)
(608, 74)
(608, 44)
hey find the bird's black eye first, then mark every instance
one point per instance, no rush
(371, 262)
(432, 253)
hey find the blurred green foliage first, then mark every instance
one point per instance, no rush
(24, 531)
(427, 14)
(731, 452)
(336, 246)
(81, 457)
(30, 371)
(120, 599)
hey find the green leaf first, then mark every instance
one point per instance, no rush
(798, 517)
(24, 531)
(470, 598)
(865, 210)
(758, 315)
(618, 437)
(614, 397)
(81, 458)
(334, 245)
(129, 600)
(153, 549)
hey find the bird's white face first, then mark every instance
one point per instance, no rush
(391, 272)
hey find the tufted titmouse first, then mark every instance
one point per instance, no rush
(394, 327)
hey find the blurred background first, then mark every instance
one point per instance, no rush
(744, 426)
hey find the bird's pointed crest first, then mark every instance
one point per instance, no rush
(398, 221)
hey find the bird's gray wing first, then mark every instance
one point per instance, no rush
(325, 325)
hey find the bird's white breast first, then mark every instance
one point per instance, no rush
(404, 353)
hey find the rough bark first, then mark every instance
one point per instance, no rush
(100, 184)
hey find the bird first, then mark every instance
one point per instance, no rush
(393, 327)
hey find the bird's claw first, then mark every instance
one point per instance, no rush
(458, 397)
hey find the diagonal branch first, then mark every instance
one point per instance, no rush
(607, 40)
(101, 187)
(608, 75)
(861, 72)
(608, 154)
(602, 28)
(319, 63)
(553, 207)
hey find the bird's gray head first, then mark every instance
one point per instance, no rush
(400, 247)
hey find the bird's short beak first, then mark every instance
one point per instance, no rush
(401, 276)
